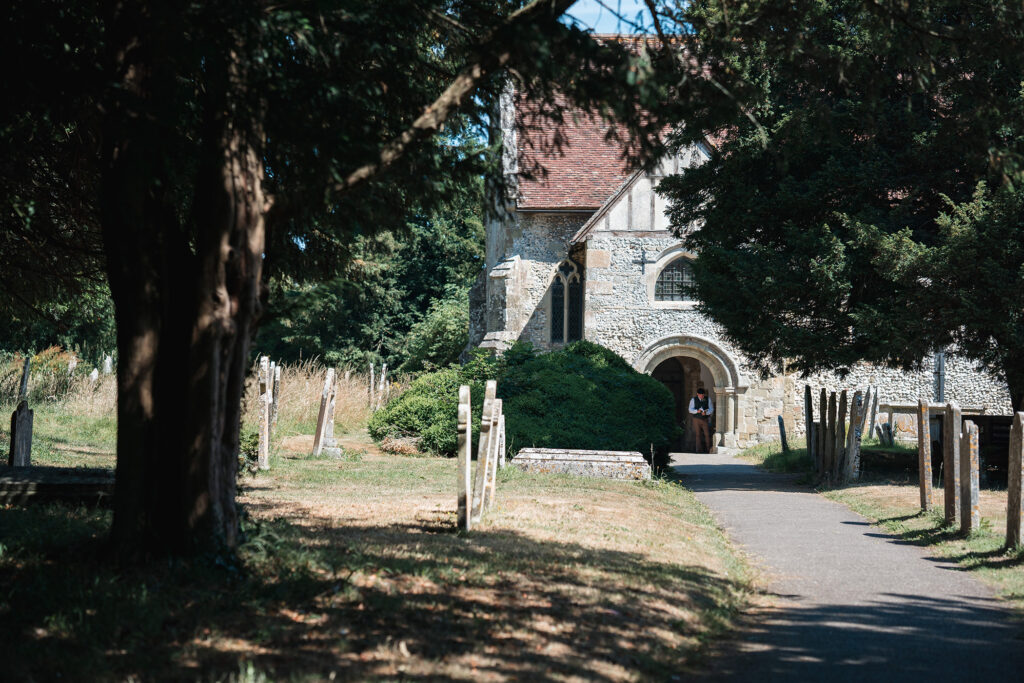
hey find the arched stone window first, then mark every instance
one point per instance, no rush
(566, 303)
(675, 281)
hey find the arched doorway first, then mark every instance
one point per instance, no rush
(699, 361)
(683, 375)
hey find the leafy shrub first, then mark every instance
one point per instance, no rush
(438, 339)
(582, 396)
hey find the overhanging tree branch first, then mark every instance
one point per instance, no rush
(491, 53)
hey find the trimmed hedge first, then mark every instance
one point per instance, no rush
(582, 396)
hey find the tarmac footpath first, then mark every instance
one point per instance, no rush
(850, 602)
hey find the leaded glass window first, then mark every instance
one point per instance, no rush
(566, 303)
(675, 282)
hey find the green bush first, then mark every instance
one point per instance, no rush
(438, 339)
(582, 396)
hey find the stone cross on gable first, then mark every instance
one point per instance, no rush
(643, 260)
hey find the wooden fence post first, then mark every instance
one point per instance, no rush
(924, 454)
(951, 462)
(1015, 481)
(465, 447)
(483, 452)
(970, 513)
(322, 418)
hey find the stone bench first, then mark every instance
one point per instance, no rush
(604, 464)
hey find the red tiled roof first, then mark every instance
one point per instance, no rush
(581, 167)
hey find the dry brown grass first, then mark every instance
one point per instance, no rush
(567, 579)
(301, 387)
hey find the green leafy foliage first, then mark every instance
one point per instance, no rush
(582, 396)
(442, 335)
(852, 129)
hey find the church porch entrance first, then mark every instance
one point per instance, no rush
(682, 376)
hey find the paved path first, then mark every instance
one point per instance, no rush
(854, 604)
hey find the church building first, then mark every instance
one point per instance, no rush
(585, 252)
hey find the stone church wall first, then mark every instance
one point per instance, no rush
(619, 313)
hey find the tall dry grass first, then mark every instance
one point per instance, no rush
(299, 401)
(57, 379)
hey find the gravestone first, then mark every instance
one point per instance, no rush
(108, 365)
(822, 431)
(501, 440)
(970, 512)
(924, 454)
(323, 420)
(782, 435)
(465, 455)
(629, 465)
(263, 449)
(1015, 487)
(839, 447)
(492, 459)
(483, 452)
(276, 396)
(20, 454)
(809, 421)
(951, 462)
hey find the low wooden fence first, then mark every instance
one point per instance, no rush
(476, 493)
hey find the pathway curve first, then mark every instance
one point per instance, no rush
(853, 603)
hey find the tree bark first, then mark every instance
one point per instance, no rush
(187, 297)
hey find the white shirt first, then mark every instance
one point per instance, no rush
(695, 411)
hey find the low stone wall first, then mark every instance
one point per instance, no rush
(604, 464)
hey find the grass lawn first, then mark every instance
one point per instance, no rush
(65, 439)
(352, 569)
(888, 495)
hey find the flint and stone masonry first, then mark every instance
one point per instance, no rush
(608, 224)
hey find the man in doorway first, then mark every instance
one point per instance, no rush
(701, 408)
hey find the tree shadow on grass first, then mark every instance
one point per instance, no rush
(363, 601)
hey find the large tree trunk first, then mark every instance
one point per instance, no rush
(187, 297)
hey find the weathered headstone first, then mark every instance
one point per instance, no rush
(465, 454)
(851, 462)
(483, 452)
(492, 460)
(276, 395)
(809, 421)
(323, 417)
(924, 454)
(874, 413)
(830, 438)
(970, 512)
(20, 454)
(501, 440)
(839, 447)
(951, 462)
(372, 377)
(328, 440)
(822, 431)
(782, 435)
(108, 365)
(265, 398)
(94, 376)
(1015, 488)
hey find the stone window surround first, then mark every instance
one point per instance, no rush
(651, 278)
(554, 272)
